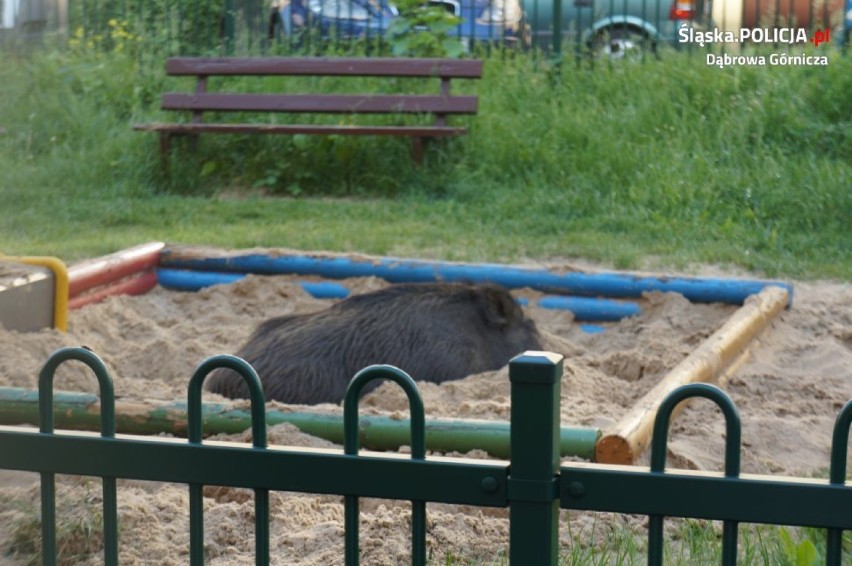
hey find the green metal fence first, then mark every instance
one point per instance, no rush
(173, 26)
(613, 28)
(533, 485)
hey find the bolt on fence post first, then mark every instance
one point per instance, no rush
(536, 379)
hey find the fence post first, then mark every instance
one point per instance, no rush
(229, 26)
(534, 446)
(557, 32)
(62, 18)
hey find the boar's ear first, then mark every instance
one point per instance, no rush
(498, 307)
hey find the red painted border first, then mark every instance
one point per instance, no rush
(137, 284)
(104, 270)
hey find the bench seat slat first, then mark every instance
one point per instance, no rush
(323, 66)
(321, 103)
(413, 131)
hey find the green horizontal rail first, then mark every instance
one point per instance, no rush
(594, 487)
(446, 480)
(706, 495)
(80, 411)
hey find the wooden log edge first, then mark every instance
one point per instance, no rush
(715, 359)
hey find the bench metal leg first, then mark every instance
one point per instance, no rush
(417, 150)
(165, 143)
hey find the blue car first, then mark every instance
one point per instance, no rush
(497, 21)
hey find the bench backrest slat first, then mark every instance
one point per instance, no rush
(321, 103)
(318, 66)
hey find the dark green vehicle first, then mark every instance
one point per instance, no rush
(615, 28)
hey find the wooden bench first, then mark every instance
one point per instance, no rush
(439, 105)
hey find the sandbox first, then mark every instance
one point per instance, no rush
(586, 295)
(789, 389)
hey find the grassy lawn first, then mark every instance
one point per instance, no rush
(658, 165)
(661, 165)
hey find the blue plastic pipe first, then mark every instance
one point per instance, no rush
(586, 309)
(583, 308)
(614, 285)
(182, 280)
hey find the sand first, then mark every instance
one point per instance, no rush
(798, 376)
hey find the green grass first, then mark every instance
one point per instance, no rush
(689, 543)
(670, 160)
(79, 530)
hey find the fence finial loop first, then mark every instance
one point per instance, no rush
(48, 479)
(837, 474)
(839, 443)
(45, 387)
(258, 436)
(733, 431)
(351, 440)
(255, 388)
(418, 452)
(733, 428)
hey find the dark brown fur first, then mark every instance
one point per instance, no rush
(433, 331)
